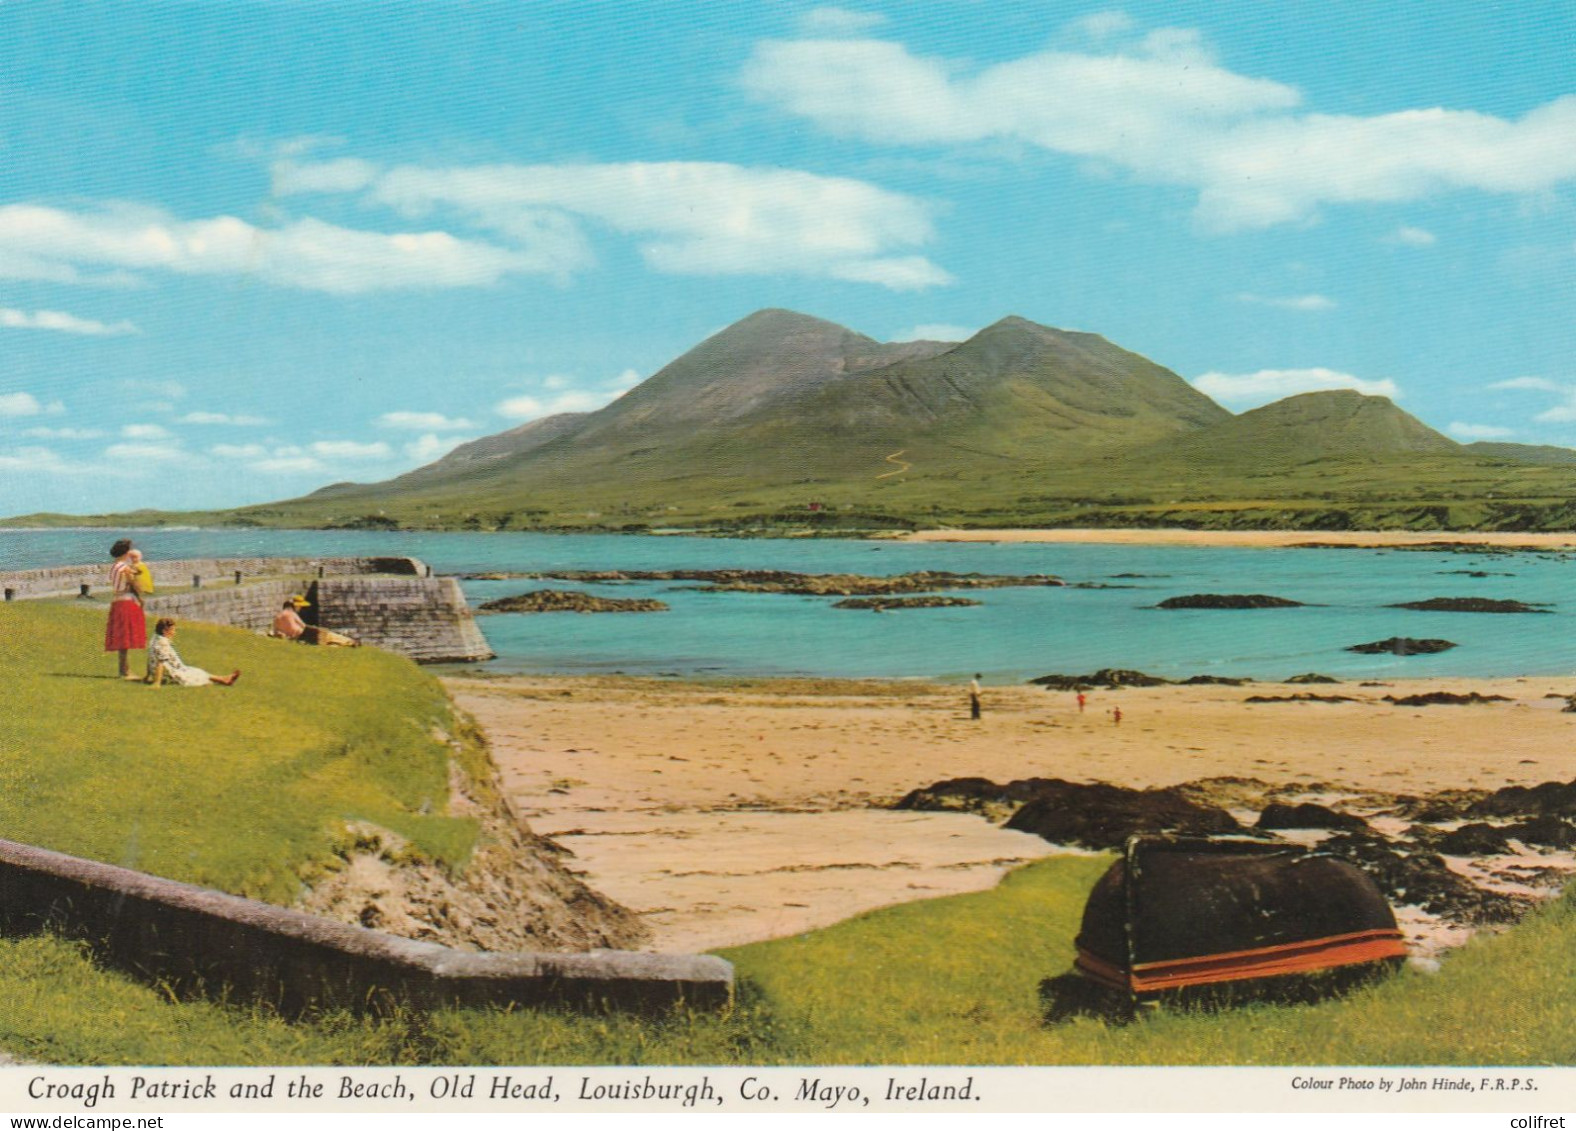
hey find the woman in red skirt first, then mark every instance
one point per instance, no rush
(127, 628)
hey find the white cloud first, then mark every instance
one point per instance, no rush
(567, 399)
(1413, 237)
(686, 218)
(1312, 303)
(1559, 414)
(221, 418)
(1163, 110)
(35, 460)
(138, 454)
(433, 447)
(63, 433)
(65, 323)
(1252, 389)
(425, 421)
(350, 450)
(144, 432)
(305, 253)
(169, 390)
(26, 404)
(1540, 383)
(346, 174)
(289, 465)
(239, 451)
(838, 21)
(1480, 431)
(1103, 25)
(935, 332)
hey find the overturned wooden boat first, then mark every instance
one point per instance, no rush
(1222, 919)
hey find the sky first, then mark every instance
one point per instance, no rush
(252, 248)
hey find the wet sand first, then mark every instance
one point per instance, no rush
(732, 813)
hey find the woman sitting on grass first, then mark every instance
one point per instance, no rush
(164, 663)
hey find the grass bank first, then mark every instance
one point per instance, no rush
(246, 789)
(949, 980)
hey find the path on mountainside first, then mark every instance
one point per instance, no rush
(893, 458)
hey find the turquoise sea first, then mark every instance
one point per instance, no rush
(1014, 635)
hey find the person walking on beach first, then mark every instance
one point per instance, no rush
(166, 666)
(1082, 699)
(974, 696)
(127, 627)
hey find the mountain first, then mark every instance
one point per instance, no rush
(783, 415)
(1334, 424)
(1522, 453)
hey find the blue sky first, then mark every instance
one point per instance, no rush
(248, 249)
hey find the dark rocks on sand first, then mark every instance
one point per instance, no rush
(1228, 601)
(1556, 798)
(1423, 879)
(1403, 646)
(1093, 815)
(1300, 697)
(882, 604)
(1222, 680)
(570, 601)
(1308, 815)
(1104, 816)
(1312, 677)
(1451, 698)
(1105, 677)
(1469, 605)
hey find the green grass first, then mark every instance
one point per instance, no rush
(950, 980)
(247, 789)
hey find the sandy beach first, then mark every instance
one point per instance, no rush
(732, 813)
(1250, 538)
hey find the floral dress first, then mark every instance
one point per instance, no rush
(176, 671)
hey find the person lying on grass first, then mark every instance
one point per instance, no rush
(288, 625)
(164, 663)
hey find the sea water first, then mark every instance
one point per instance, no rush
(1014, 634)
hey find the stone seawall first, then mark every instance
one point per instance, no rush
(425, 618)
(192, 939)
(386, 602)
(178, 574)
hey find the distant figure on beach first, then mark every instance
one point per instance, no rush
(1082, 699)
(289, 625)
(127, 627)
(166, 666)
(974, 696)
(1116, 716)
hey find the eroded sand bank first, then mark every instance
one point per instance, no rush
(729, 814)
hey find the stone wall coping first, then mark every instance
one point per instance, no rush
(119, 910)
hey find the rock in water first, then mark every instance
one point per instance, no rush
(1403, 646)
(1228, 601)
(1469, 605)
(571, 601)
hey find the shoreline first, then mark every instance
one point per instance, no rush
(731, 812)
(1252, 539)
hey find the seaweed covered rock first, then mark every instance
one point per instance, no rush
(1105, 677)
(571, 601)
(1228, 601)
(1469, 605)
(884, 604)
(1308, 815)
(1403, 646)
(1445, 698)
(1556, 798)
(1424, 879)
(1104, 816)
